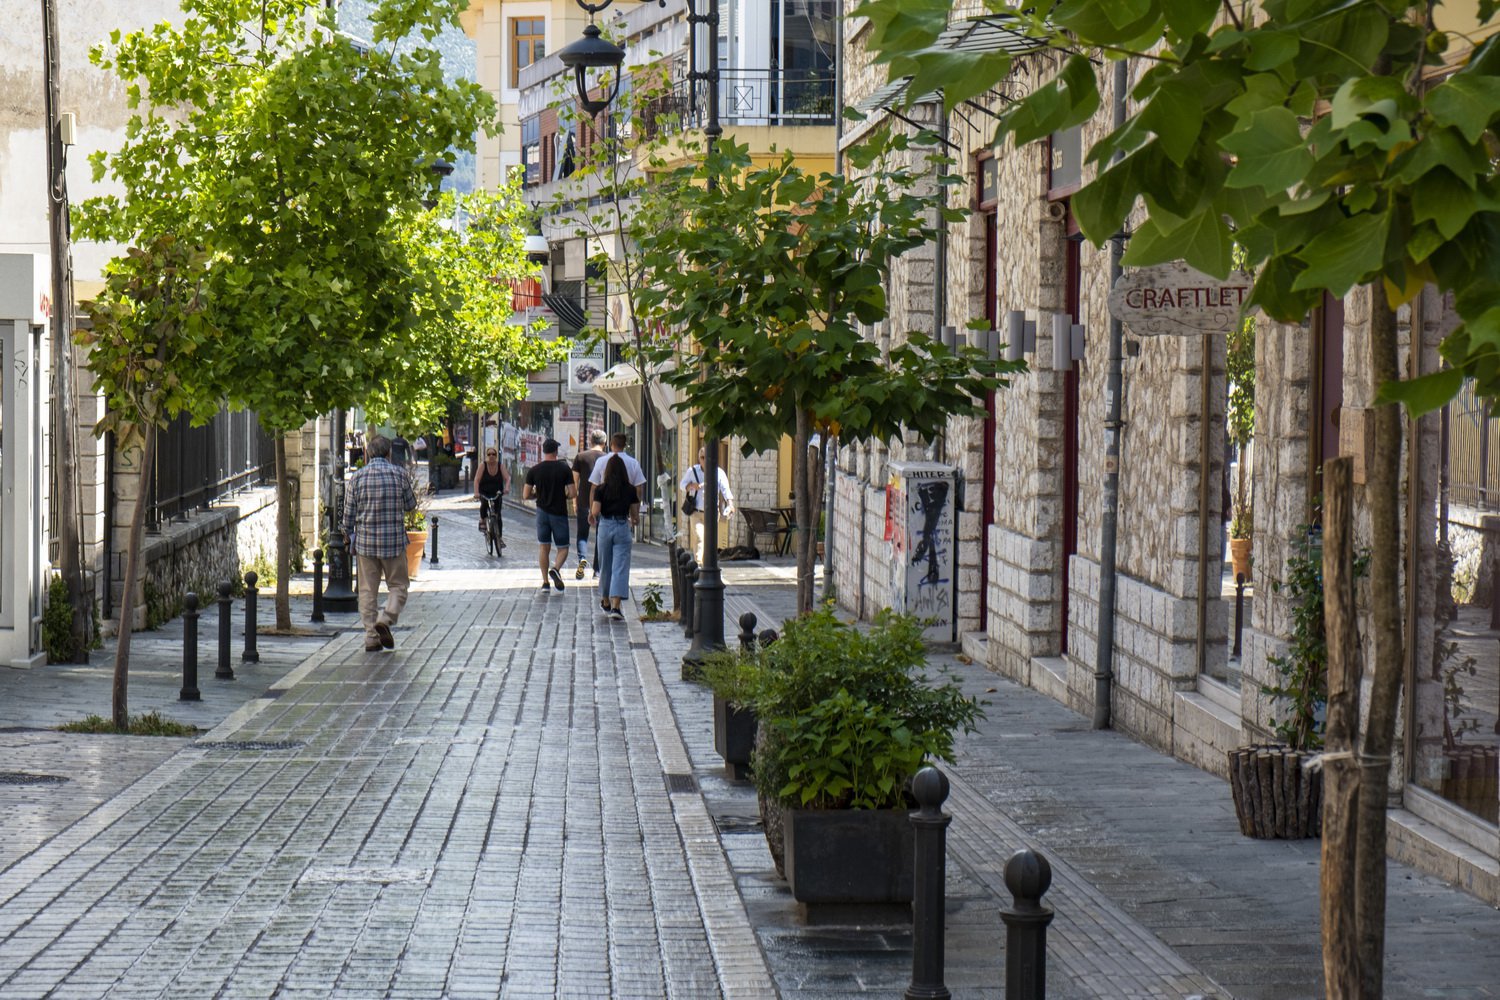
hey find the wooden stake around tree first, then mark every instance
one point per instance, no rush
(1341, 972)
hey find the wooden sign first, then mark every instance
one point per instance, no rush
(1177, 299)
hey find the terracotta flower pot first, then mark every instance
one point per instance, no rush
(416, 546)
(1239, 556)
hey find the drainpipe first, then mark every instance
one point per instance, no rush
(1104, 666)
(830, 448)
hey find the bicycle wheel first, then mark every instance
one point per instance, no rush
(492, 535)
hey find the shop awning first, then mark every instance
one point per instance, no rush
(620, 387)
(567, 310)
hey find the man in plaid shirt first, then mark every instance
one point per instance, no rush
(375, 523)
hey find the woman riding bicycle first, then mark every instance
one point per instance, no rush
(492, 480)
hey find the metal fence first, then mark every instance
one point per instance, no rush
(749, 97)
(1473, 461)
(198, 465)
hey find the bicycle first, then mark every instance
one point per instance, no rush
(490, 511)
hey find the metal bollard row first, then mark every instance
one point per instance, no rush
(747, 631)
(1027, 875)
(224, 671)
(434, 559)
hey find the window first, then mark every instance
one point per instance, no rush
(531, 150)
(527, 44)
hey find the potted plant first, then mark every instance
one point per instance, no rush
(1275, 794)
(442, 470)
(416, 524)
(1240, 368)
(846, 717)
(732, 676)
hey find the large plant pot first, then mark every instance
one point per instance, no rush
(849, 855)
(1239, 556)
(734, 736)
(416, 545)
(1470, 779)
(1275, 796)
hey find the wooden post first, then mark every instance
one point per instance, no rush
(1341, 971)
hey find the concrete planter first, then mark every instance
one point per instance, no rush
(849, 855)
(734, 736)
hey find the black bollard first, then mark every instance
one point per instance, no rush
(769, 636)
(189, 690)
(251, 654)
(930, 787)
(317, 611)
(1027, 876)
(1239, 609)
(224, 671)
(747, 631)
(682, 584)
(690, 606)
(434, 559)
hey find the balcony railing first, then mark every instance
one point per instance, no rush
(748, 97)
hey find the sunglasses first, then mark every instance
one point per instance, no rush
(491, 454)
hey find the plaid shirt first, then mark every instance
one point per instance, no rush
(374, 513)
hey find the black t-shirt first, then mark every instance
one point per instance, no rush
(583, 464)
(551, 479)
(614, 503)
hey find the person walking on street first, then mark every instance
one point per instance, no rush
(692, 486)
(550, 484)
(493, 481)
(380, 494)
(583, 467)
(615, 509)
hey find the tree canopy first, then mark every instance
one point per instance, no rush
(1336, 141)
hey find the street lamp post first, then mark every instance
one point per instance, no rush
(593, 52)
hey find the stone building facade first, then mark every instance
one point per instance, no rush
(1030, 530)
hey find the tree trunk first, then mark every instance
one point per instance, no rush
(70, 562)
(120, 707)
(806, 543)
(1382, 485)
(1340, 772)
(285, 518)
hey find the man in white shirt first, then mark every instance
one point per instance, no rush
(692, 486)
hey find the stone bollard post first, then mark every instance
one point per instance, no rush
(434, 559)
(929, 872)
(224, 671)
(689, 627)
(1027, 876)
(251, 654)
(317, 611)
(747, 631)
(189, 690)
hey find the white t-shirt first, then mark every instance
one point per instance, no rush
(695, 475)
(632, 469)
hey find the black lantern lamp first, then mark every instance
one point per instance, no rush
(592, 52)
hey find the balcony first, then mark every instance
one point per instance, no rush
(749, 97)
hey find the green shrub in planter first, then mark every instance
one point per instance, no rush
(849, 715)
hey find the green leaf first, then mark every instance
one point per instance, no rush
(1175, 114)
(1422, 394)
(1070, 98)
(1271, 151)
(1270, 50)
(1203, 241)
(1467, 102)
(1443, 199)
(1345, 255)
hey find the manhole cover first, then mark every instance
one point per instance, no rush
(366, 876)
(681, 783)
(23, 778)
(252, 746)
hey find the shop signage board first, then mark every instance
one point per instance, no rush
(1175, 299)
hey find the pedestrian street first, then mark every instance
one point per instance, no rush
(482, 812)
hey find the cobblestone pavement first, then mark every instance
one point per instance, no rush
(486, 811)
(523, 800)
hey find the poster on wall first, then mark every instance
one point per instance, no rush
(921, 526)
(582, 371)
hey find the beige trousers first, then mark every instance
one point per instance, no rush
(397, 582)
(695, 526)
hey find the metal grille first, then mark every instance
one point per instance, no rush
(198, 465)
(251, 746)
(23, 778)
(681, 783)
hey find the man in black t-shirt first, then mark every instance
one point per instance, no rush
(583, 467)
(550, 484)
